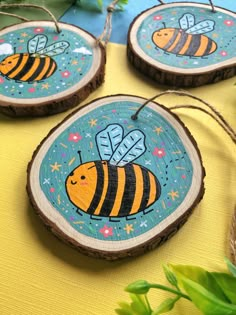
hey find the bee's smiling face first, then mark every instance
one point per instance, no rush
(162, 37)
(8, 63)
(81, 184)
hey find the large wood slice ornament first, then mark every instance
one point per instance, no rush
(43, 72)
(113, 186)
(184, 44)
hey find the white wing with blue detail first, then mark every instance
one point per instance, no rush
(131, 147)
(201, 27)
(38, 42)
(108, 140)
(187, 21)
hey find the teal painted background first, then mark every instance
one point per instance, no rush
(165, 156)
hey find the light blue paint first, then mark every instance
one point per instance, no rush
(94, 21)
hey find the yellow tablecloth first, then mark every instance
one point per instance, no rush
(41, 275)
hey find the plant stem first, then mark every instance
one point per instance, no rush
(163, 287)
(148, 304)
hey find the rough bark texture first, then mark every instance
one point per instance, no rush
(178, 80)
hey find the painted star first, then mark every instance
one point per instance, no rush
(24, 34)
(45, 86)
(128, 228)
(158, 130)
(55, 166)
(174, 194)
(74, 62)
(93, 122)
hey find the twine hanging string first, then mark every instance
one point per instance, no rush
(24, 5)
(214, 114)
(106, 34)
(211, 4)
(233, 238)
(15, 16)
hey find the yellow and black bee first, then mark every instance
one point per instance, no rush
(37, 64)
(114, 186)
(188, 40)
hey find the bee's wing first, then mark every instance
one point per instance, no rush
(54, 49)
(131, 147)
(108, 140)
(187, 21)
(202, 27)
(37, 43)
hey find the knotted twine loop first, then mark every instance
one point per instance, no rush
(214, 114)
(24, 5)
(211, 3)
(233, 238)
(106, 34)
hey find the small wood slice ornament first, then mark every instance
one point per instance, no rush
(184, 44)
(113, 186)
(43, 72)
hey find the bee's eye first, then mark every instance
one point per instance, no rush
(165, 34)
(82, 177)
(9, 62)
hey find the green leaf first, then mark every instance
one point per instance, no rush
(165, 306)
(138, 287)
(170, 276)
(204, 300)
(100, 3)
(202, 277)
(120, 311)
(139, 305)
(231, 267)
(227, 284)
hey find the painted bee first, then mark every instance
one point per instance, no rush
(188, 39)
(37, 64)
(113, 186)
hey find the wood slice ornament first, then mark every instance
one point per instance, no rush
(112, 185)
(47, 67)
(184, 44)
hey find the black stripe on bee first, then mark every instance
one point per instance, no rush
(130, 188)
(111, 191)
(194, 45)
(99, 187)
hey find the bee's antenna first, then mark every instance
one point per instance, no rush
(80, 157)
(164, 24)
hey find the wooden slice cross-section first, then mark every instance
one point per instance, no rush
(112, 186)
(43, 72)
(184, 44)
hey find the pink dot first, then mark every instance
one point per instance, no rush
(223, 53)
(183, 176)
(55, 38)
(52, 189)
(31, 90)
(1, 80)
(2, 40)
